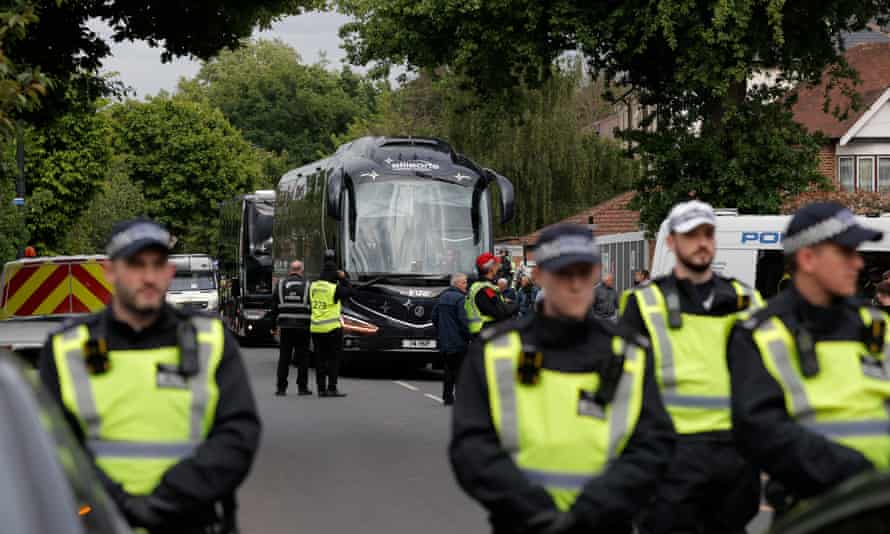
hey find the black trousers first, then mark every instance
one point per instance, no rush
(328, 352)
(453, 361)
(294, 345)
(709, 488)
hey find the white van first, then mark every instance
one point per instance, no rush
(195, 284)
(749, 248)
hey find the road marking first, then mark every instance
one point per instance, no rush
(435, 398)
(405, 385)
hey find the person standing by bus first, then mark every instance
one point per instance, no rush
(450, 320)
(291, 312)
(325, 297)
(485, 304)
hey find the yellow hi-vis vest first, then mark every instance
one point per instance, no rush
(475, 319)
(540, 425)
(325, 311)
(690, 361)
(136, 427)
(847, 400)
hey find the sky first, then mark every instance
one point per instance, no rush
(139, 66)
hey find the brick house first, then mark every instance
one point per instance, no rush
(857, 154)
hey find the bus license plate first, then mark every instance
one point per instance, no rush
(418, 343)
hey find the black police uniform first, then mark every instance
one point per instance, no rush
(193, 490)
(710, 487)
(803, 462)
(290, 308)
(488, 473)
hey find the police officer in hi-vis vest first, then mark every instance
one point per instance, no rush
(484, 303)
(559, 427)
(159, 397)
(811, 371)
(325, 297)
(709, 488)
(290, 308)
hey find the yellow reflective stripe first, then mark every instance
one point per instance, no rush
(327, 321)
(141, 449)
(741, 290)
(653, 309)
(505, 375)
(71, 347)
(695, 401)
(777, 346)
(209, 343)
(619, 418)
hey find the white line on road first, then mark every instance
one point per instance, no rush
(435, 398)
(405, 385)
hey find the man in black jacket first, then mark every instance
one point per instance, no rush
(291, 312)
(450, 320)
(134, 384)
(810, 376)
(559, 427)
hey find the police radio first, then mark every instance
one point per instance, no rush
(95, 355)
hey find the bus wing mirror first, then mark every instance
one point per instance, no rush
(334, 192)
(507, 196)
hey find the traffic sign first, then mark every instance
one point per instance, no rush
(18, 201)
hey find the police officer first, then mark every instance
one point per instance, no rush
(158, 396)
(485, 305)
(811, 371)
(325, 297)
(710, 488)
(290, 307)
(559, 426)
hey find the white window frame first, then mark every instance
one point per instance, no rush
(859, 160)
(840, 182)
(875, 162)
(881, 159)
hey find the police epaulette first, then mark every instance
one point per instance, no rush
(756, 319)
(72, 322)
(496, 330)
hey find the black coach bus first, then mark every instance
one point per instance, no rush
(245, 264)
(402, 214)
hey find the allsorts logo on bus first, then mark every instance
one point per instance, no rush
(53, 288)
(762, 238)
(414, 165)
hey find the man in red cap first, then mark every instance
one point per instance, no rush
(484, 303)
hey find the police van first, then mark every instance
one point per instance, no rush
(194, 286)
(749, 248)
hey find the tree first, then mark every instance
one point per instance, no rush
(64, 47)
(689, 60)
(20, 87)
(13, 231)
(186, 157)
(119, 199)
(66, 163)
(279, 103)
(542, 140)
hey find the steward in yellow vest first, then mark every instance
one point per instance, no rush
(326, 296)
(811, 372)
(558, 426)
(158, 397)
(484, 303)
(687, 317)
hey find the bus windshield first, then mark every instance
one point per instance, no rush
(415, 226)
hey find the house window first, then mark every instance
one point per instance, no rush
(884, 175)
(866, 174)
(846, 174)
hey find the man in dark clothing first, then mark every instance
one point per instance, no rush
(450, 319)
(882, 296)
(329, 342)
(526, 295)
(530, 435)
(484, 304)
(810, 377)
(605, 304)
(507, 290)
(506, 266)
(709, 488)
(291, 311)
(136, 376)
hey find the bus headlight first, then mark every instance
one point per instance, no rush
(354, 325)
(254, 315)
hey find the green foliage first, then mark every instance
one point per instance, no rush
(20, 87)
(688, 59)
(278, 103)
(759, 157)
(118, 200)
(187, 158)
(65, 165)
(542, 141)
(13, 231)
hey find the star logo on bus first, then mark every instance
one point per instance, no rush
(388, 161)
(372, 175)
(407, 304)
(461, 177)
